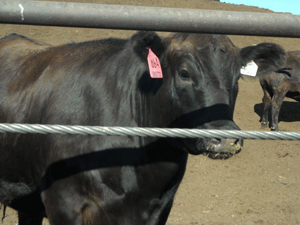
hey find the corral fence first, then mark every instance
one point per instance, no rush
(147, 18)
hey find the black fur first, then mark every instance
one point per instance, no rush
(76, 179)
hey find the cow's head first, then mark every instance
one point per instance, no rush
(201, 73)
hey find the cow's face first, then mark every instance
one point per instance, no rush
(204, 72)
(200, 84)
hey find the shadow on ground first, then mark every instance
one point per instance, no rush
(289, 112)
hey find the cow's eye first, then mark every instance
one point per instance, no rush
(184, 74)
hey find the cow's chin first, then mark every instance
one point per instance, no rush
(213, 148)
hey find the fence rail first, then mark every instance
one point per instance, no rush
(146, 132)
(148, 18)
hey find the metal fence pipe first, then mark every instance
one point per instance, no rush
(148, 18)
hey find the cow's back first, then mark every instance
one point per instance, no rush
(35, 75)
(18, 43)
(18, 68)
(14, 50)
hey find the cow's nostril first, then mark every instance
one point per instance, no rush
(224, 145)
(223, 148)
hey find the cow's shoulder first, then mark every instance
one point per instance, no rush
(15, 49)
(20, 58)
(107, 46)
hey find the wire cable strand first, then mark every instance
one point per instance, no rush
(146, 132)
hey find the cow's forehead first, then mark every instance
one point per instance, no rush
(194, 42)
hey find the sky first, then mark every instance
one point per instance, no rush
(290, 6)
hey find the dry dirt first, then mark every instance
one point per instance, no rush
(261, 185)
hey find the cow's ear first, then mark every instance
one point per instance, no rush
(268, 56)
(143, 40)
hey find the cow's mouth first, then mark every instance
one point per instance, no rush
(222, 148)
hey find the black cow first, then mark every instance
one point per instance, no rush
(280, 84)
(75, 179)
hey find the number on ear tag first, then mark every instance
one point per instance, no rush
(154, 65)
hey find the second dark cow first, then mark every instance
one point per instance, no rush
(75, 179)
(278, 85)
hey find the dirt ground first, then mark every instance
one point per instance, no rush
(261, 185)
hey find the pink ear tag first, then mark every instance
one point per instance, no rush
(154, 65)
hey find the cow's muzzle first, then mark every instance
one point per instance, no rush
(222, 148)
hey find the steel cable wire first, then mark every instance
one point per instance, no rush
(144, 132)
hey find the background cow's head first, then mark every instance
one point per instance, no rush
(201, 73)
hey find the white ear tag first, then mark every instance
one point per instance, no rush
(250, 69)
